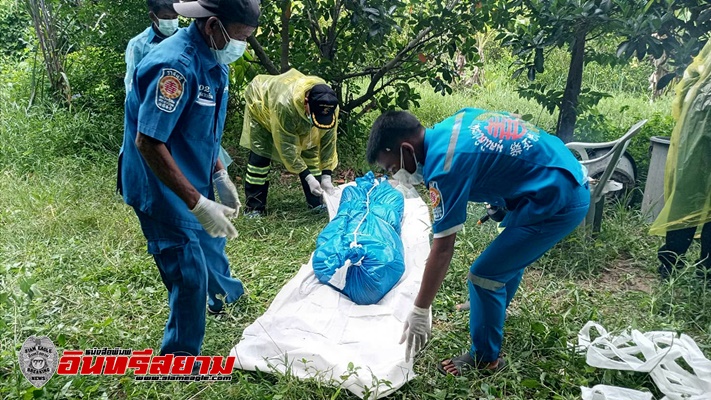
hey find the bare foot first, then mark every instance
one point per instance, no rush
(463, 306)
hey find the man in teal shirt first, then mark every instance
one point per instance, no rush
(482, 156)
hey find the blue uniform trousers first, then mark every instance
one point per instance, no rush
(193, 266)
(496, 274)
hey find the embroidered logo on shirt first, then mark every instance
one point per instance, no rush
(436, 200)
(205, 93)
(169, 90)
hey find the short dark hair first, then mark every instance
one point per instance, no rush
(201, 22)
(157, 5)
(389, 130)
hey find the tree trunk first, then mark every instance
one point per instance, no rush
(262, 56)
(660, 70)
(285, 16)
(53, 58)
(568, 107)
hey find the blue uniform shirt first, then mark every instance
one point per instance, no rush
(482, 156)
(137, 48)
(179, 98)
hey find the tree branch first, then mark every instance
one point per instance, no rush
(314, 29)
(285, 16)
(392, 64)
(332, 31)
(365, 72)
(262, 56)
(414, 43)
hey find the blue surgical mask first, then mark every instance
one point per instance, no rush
(233, 50)
(407, 178)
(167, 26)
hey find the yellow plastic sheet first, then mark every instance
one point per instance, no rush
(687, 182)
(276, 125)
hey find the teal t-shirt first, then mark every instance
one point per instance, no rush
(482, 156)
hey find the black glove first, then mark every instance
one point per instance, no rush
(496, 213)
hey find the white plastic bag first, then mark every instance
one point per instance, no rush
(604, 392)
(658, 353)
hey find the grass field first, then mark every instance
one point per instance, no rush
(73, 267)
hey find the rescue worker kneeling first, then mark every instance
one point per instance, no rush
(291, 118)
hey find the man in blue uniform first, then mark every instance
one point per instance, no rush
(164, 24)
(175, 114)
(482, 156)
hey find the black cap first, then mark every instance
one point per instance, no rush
(229, 11)
(322, 105)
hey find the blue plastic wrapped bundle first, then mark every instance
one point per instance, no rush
(360, 251)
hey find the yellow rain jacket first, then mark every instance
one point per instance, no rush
(276, 125)
(687, 179)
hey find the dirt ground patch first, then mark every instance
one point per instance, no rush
(622, 276)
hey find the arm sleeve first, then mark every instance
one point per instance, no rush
(449, 198)
(287, 145)
(130, 65)
(164, 93)
(328, 156)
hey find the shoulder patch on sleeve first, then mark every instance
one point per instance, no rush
(170, 89)
(437, 201)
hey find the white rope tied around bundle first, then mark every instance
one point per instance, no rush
(354, 243)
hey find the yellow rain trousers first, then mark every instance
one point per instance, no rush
(687, 182)
(276, 125)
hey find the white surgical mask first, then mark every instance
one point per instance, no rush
(407, 178)
(167, 26)
(233, 50)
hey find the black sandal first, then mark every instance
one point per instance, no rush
(466, 362)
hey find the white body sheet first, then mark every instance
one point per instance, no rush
(312, 331)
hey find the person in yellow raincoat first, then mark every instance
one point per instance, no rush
(687, 183)
(291, 118)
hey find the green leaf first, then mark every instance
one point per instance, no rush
(538, 327)
(26, 287)
(538, 60)
(665, 80)
(622, 49)
(531, 73)
(530, 383)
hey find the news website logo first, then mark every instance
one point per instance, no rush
(38, 360)
(38, 366)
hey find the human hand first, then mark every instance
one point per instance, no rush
(314, 186)
(226, 190)
(416, 332)
(327, 184)
(214, 217)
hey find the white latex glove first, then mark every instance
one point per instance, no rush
(417, 330)
(214, 217)
(226, 190)
(327, 184)
(315, 187)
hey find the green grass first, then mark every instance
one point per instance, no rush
(73, 267)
